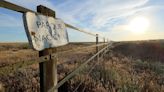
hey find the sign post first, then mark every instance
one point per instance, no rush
(48, 70)
(45, 33)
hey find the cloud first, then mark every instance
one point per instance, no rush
(120, 28)
(100, 16)
(115, 9)
(101, 11)
(96, 13)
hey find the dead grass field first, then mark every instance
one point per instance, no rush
(11, 53)
(128, 67)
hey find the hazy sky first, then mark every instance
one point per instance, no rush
(106, 17)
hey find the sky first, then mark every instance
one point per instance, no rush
(109, 18)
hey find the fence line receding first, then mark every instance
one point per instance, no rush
(48, 57)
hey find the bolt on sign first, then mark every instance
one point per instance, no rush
(44, 32)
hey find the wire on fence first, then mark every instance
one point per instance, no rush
(92, 67)
(82, 48)
(23, 64)
(79, 68)
(91, 70)
(14, 67)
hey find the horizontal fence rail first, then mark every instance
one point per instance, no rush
(14, 7)
(70, 26)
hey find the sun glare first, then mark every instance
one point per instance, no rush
(139, 25)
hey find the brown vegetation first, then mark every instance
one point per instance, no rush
(128, 67)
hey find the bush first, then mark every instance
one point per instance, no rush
(156, 67)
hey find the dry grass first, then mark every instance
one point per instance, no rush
(123, 69)
(11, 53)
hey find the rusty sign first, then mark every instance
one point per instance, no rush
(44, 32)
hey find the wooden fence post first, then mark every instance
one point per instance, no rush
(97, 41)
(104, 41)
(48, 70)
(97, 47)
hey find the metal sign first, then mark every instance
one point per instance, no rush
(44, 32)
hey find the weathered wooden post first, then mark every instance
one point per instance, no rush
(104, 41)
(97, 47)
(108, 43)
(48, 70)
(45, 33)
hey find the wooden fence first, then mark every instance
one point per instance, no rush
(48, 58)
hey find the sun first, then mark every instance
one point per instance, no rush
(139, 25)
